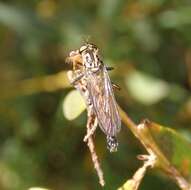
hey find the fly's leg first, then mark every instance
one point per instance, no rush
(74, 79)
(109, 68)
(115, 86)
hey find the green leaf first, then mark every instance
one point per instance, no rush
(127, 186)
(175, 147)
(146, 89)
(73, 105)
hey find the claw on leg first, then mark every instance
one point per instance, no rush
(72, 78)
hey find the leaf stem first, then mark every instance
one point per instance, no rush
(143, 134)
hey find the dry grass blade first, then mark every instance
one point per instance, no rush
(134, 182)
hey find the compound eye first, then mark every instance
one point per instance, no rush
(83, 48)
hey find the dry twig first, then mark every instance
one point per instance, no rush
(143, 134)
(91, 123)
(135, 181)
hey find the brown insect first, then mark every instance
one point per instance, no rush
(90, 77)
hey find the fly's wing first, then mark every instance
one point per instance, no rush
(104, 104)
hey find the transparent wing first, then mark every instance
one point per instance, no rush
(104, 104)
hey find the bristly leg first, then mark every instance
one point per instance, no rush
(112, 143)
(115, 86)
(75, 80)
(109, 68)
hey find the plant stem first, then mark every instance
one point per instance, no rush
(143, 134)
(49, 83)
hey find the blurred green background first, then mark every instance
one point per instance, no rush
(146, 41)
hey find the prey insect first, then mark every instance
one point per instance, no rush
(98, 93)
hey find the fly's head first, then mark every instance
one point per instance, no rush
(90, 56)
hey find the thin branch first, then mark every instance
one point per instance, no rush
(143, 134)
(49, 83)
(92, 121)
(95, 160)
(134, 182)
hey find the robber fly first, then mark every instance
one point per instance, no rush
(99, 92)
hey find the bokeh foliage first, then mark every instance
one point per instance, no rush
(148, 43)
